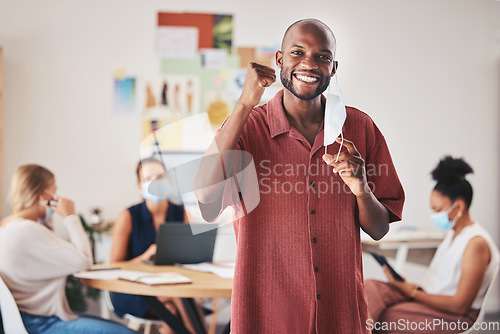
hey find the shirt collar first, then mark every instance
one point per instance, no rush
(276, 118)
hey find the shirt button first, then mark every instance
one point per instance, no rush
(312, 184)
(314, 240)
(316, 269)
(318, 296)
(313, 212)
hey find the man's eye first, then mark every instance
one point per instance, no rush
(297, 52)
(325, 58)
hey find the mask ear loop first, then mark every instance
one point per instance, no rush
(457, 216)
(341, 144)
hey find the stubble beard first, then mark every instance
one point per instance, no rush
(286, 81)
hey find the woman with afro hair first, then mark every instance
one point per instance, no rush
(451, 293)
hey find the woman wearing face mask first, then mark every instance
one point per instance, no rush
(34, 261)
(460, 272)
(134, 235)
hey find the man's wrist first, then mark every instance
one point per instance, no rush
(244, 107)
(366, 193)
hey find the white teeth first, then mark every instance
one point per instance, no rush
(306, 78)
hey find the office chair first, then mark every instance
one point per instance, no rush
(134, 322)
(480, 316)
(12, 321)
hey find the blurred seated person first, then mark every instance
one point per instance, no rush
(454, 286)
(34, 261)
(134, 235)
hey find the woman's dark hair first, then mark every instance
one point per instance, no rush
(146, 161)
(450, 177)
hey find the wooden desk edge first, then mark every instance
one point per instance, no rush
(373, 242)
(176, 290)
(212, 286)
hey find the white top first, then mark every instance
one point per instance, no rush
(445, 269)
(34, 263)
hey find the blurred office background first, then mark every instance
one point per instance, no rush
(426, 71)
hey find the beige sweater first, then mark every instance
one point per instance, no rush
(34, 263)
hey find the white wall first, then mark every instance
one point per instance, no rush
(427, 71)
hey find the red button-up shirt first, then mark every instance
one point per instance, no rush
(298, 262)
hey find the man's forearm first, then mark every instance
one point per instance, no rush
(219, 158)
(373, 216)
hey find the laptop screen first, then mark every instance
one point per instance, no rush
(185, 243)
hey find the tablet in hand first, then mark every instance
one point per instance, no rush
(383, 262)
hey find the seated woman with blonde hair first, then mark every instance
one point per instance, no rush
(34, 261)
(453, 289)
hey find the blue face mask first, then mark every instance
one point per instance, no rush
(49, 212)
(156, 190)
(441, 219)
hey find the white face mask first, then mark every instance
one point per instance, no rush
(156, 190)
(335, 114)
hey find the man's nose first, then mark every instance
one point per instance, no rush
(309, 63)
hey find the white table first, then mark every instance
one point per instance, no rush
(403, 241)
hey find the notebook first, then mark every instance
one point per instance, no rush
(144, 277)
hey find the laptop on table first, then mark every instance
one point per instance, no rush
(185, 243)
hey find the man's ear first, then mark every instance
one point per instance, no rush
(279, 58)
(335, 66)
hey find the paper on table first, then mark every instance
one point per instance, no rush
(224, 270)
(136, 276)
(106, 275)
(154, 278)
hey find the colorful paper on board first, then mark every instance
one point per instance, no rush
(177, 42)
(124, 96)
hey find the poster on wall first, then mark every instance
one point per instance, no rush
(196, 56)
(200, 76)
(214, 81)
(218, 106)
(214, 30)
(192, 133)
(168, 97)
(124, 96)
(177, 42)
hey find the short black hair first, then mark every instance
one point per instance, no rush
(450, 179)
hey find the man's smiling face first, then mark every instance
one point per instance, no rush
(306, 60)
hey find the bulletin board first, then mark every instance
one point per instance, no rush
(200, 77)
